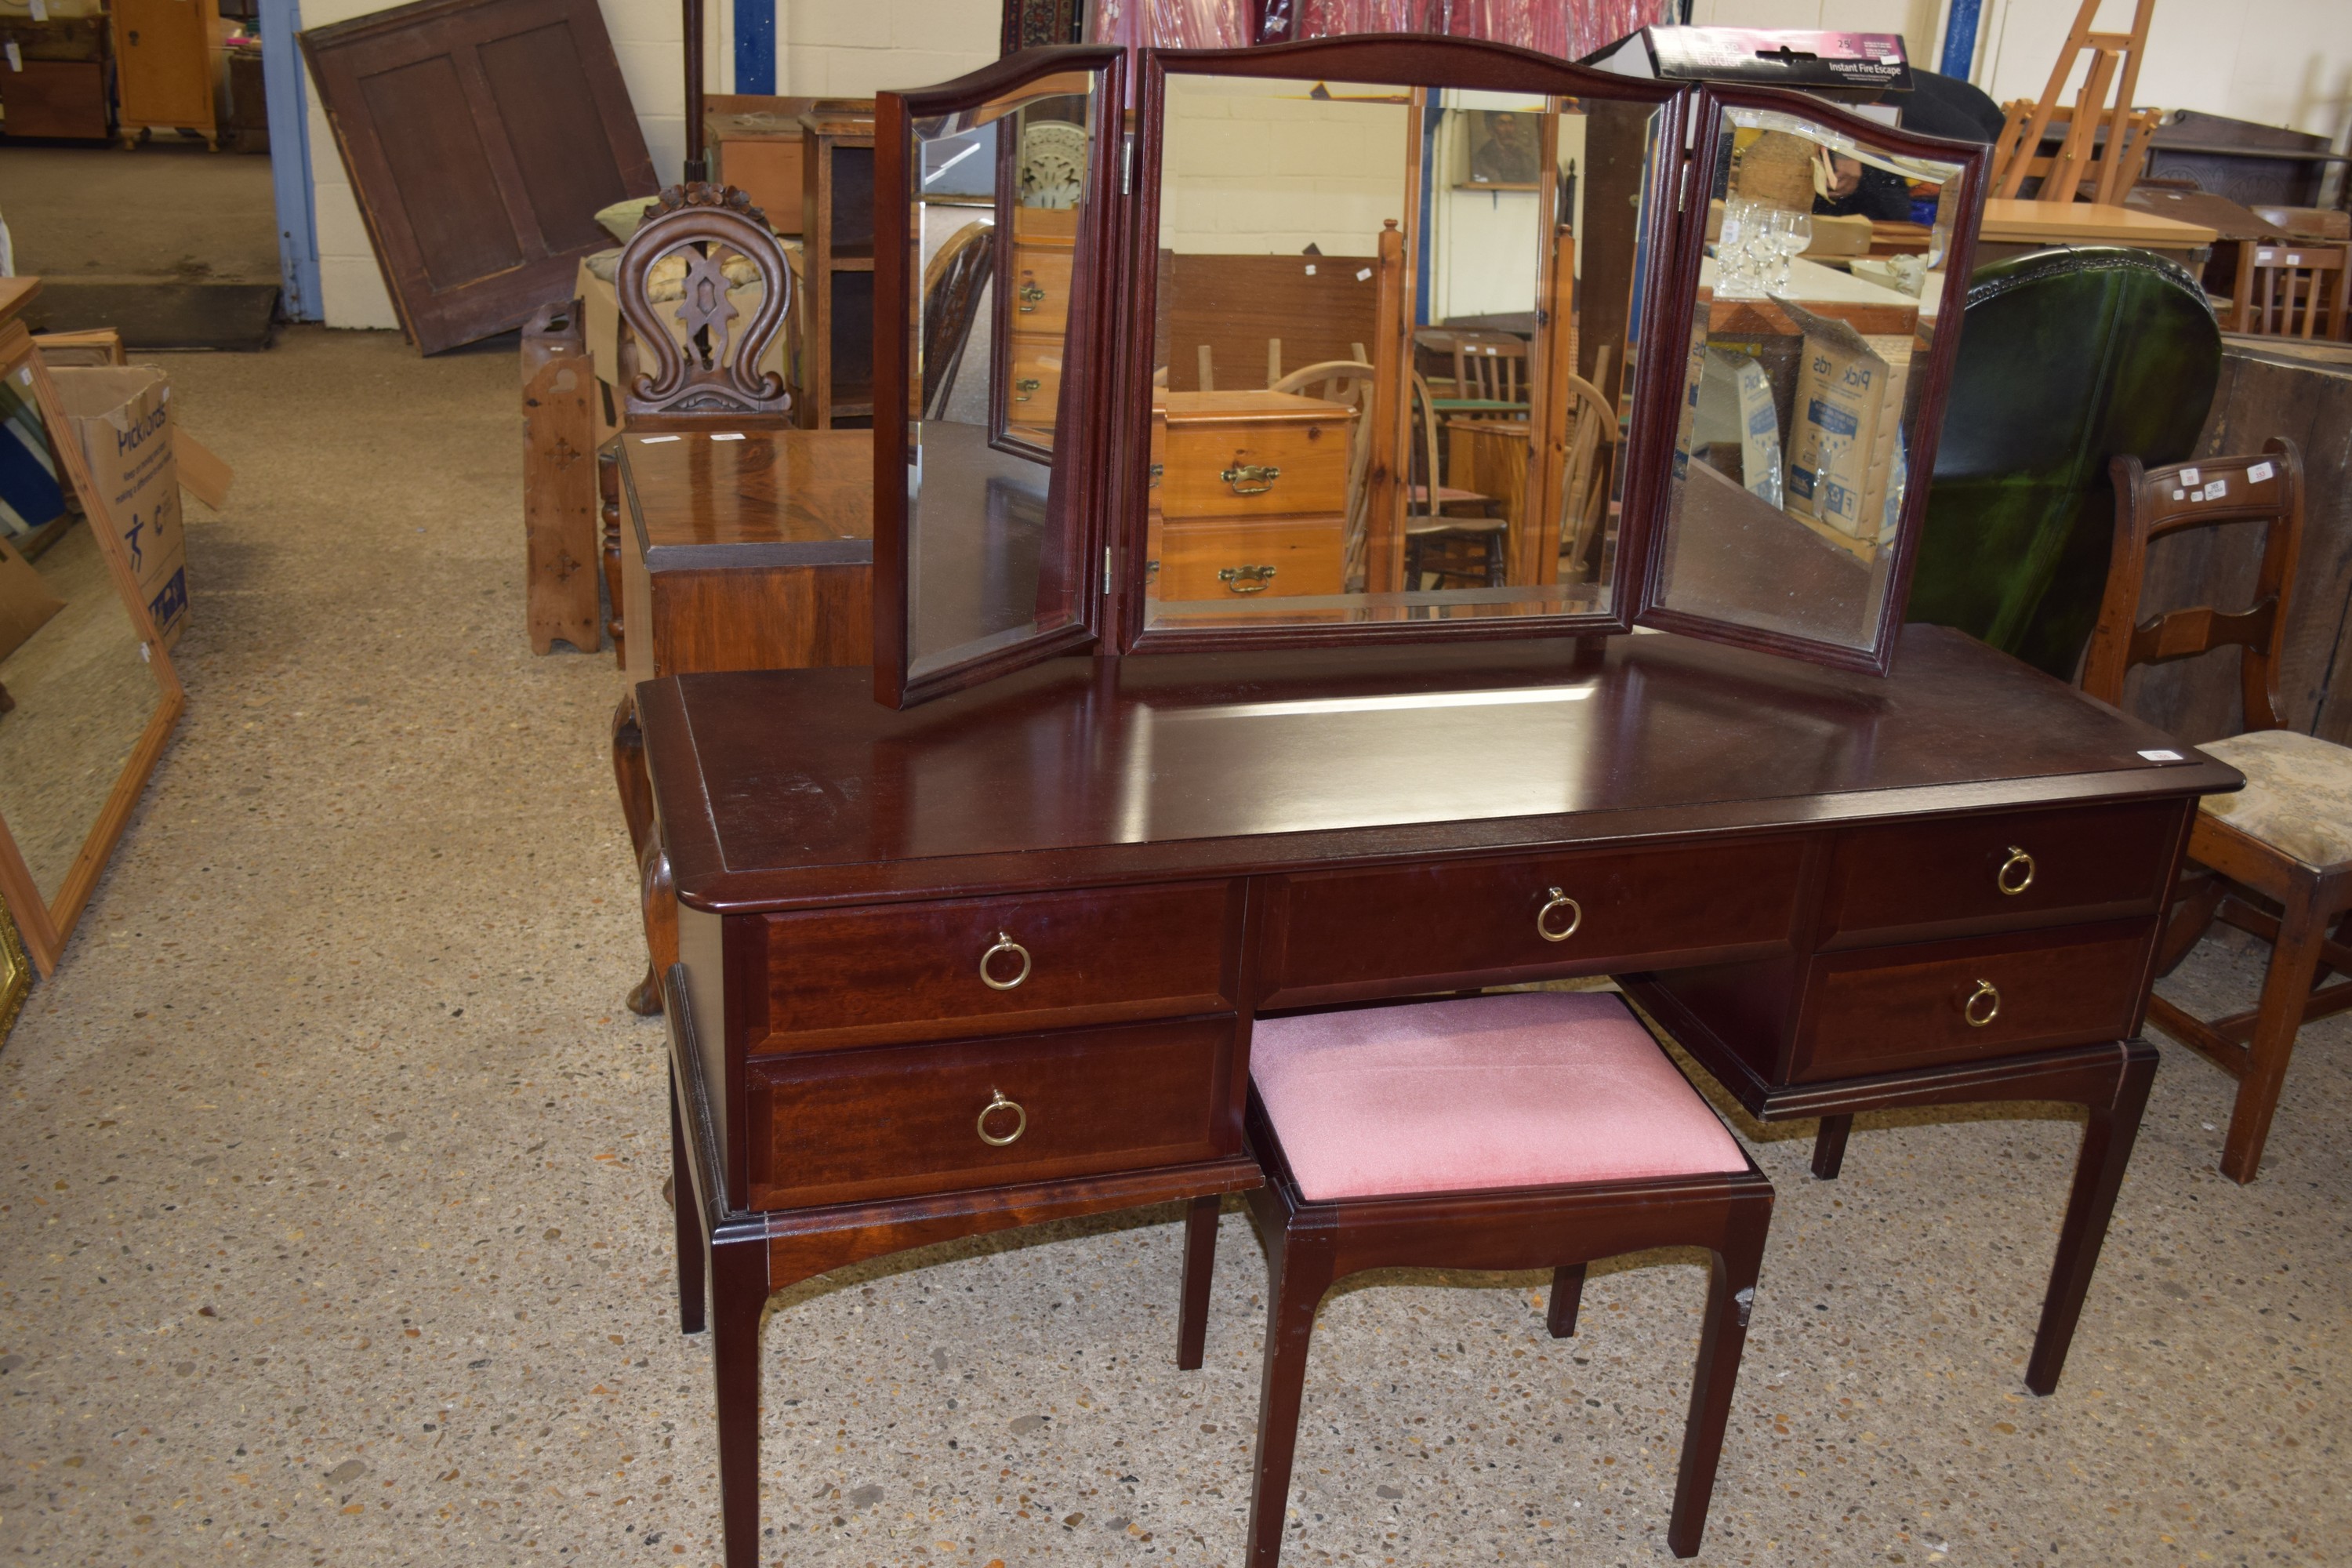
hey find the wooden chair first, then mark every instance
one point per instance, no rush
(711, 378)
(1492, 367)
(1533, 1130)
(954, 280)
(2292, 289)
(2276, 858)
(1347, 382)
(1584, 490)
(1473, 549)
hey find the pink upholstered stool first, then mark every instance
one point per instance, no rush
(1526, 1130)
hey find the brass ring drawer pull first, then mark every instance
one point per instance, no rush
(1982, 1006)
(1004, 943)
(1019, 1123)
(1248, 579)
(1560, 900)
(1250, 479)
(2008, 878)
(1031, 296)
(1025, 388)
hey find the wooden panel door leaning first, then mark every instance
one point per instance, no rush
(482, 137)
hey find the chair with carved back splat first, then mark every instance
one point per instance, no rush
(706, 374)
(1523, 1130)
(2275, 859)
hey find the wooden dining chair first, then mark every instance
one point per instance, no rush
(2275, 859)
(1450, 531)
(1584, 489)
(1491, 367)
(1530, 1130)
(2292, 289)
(955, 281)
(1348, 382)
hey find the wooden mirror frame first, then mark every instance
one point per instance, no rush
(1406, 63)
(1083, 446)
(46, 924)
(1973, 160)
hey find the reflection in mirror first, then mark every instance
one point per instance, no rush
(1389, 334)
(1824, 277)
(1001, 194)
(76, 691)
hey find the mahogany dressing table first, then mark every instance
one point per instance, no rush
(978, 939)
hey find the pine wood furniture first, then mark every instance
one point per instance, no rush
(2011, 224)
(2275, 860)
(1033, 313)
(1530, 1130)
(1074, 889)
(2292, 288)
(2109, 163)
(163, 66)
(753, 142)
(1252, 493)
(560, 497)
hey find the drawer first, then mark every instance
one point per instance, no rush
(1041, 290)
(2013, 869)
(845, 1126)
(1293, 466)
(1885, 1009)
(1272, 558)
(1034, 391)
(895, 972)
(1351, 934)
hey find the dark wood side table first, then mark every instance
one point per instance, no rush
(746, 549)
(995, 960)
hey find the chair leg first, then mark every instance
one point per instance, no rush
(1829, 1146)
(2295, 964)
(689, 1219)
(1730, 1296)
(1567, 1294)
(1200, 1266)
(1299, 1265)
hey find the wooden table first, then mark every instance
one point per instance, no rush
(2011, 226)
(1062, 898)
(750, 552)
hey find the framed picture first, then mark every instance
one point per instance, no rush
(1504, 149)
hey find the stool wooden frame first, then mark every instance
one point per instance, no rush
(2231, 874)
(1311, 1244)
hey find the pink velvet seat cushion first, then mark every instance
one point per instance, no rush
(1529, 1089)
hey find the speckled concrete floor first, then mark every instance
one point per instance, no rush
(330, 1225)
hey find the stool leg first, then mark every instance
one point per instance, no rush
(1566, 1292)
(1730, 1293)
(1829, 1146)
(1300, 1271)
(1200, 1266)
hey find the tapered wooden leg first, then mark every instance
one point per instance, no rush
(2108, 1137)
(637, 792)
(689, 1219)
(1299, 1270)
(1829, 1146)
(1200, 1267)
(1730, 1295)
(2295, 964)
(1566, 1292)
(739, 1290)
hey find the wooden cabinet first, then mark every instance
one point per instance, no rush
(754, 145)
(163, 66)
(836, 384)
(1034, 317)
(1251, 496)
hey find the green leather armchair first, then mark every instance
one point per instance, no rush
(2068, 358)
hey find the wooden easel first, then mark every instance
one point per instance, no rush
(2081, 155)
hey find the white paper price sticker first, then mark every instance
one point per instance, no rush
(2216, 488)
(2164, 756)
(2258, 472)
(2188, 476)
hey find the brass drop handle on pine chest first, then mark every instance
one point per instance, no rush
(1020, 1121)
(1025, 388)
(1983, 1004)
(1031, 296)
(2016, 873)
(1559, 900)
(1248, 579)
(1250, 479)
(1004, 943)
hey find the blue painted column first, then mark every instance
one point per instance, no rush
(1960, 38)
(285, 91)
(755, 45)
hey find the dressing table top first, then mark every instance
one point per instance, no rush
(794, 787)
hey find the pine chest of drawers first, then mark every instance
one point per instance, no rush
(1249, 494)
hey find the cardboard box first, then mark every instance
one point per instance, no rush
(1846, 453)
(124, 416)
(26, 602)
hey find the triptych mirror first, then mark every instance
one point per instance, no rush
(88, 696)
(1371, 341)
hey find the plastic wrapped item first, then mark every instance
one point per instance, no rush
(1569, 28)
(1331, 19)
(1170, 24)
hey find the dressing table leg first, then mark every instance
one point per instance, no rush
(1200, 1266)
(637, 790)
(1829, 1146)
(2108, 1139)
(1567, 1294)
(688, 1217)
(739, 1294)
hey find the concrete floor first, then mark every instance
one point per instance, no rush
(331, 1227)
(168, 211)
